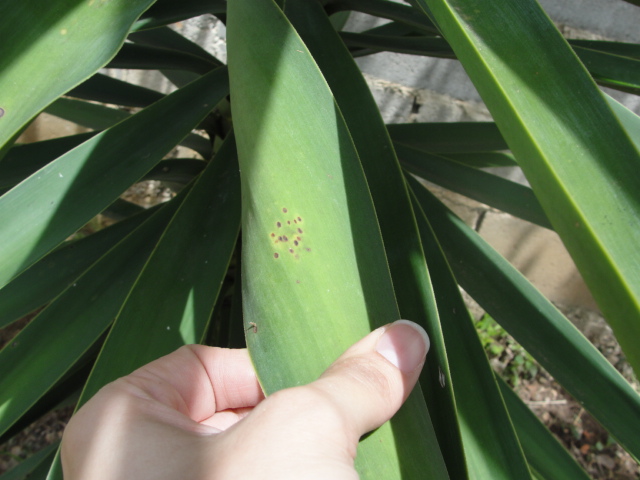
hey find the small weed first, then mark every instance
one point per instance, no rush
(507, 356)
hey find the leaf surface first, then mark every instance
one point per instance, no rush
(43, 56)
(39, 213)
(306, 209)
(574, 152)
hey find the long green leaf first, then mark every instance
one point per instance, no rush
(90, 115)
(407, 264)
(135, 56)
(55, 272)
(630, 50)
(171, 302)
(457, 137)
(545, 454)
(161, 315)
(572, 149)
(42, 211)
(484, 187)
(26, 468)
(306, 209)
(164, 12)
(536, 324)
(384, 9)
(45, 350)
(166, 37)
(629, 120)
(44, 55)
(614, 71)
(22, 160)
(105, 89)
(491, 446)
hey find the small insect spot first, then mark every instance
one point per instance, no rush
(275, 255)
(291, 250)
(299, 219)
(288, 222)
(285, 238)
(280, 238)
(295, 242)
(273, 234)
(307, 249)
(297, 281)
(299, 239)
(295, 221)
(1, 112)
(285, 210)
(253, 326)
(299, 230)
(278, 224)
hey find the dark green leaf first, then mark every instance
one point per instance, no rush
(544, 452)
(45, 350)
(386, 183)
(55, 272)
(101, 88)
(42, 211)
(536, 324)
(46, 54)
(484, 187)
(577, 157)
(299, 165)
(491, 447)
(171, 302)
(458, 137)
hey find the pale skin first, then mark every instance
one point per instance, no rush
(199, 413)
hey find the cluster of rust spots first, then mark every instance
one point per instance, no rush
(287, 233)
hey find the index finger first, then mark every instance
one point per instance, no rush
(199, 381)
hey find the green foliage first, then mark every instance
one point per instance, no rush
(515, 362)
(302, 225)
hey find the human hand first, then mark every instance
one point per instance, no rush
(199, 413)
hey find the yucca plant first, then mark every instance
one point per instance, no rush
(303, 226)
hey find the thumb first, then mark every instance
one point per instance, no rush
(313, 430)
(370, 381)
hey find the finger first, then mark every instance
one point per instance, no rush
(371, 380)
(198, 381)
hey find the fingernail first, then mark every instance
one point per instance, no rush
(405, 344)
